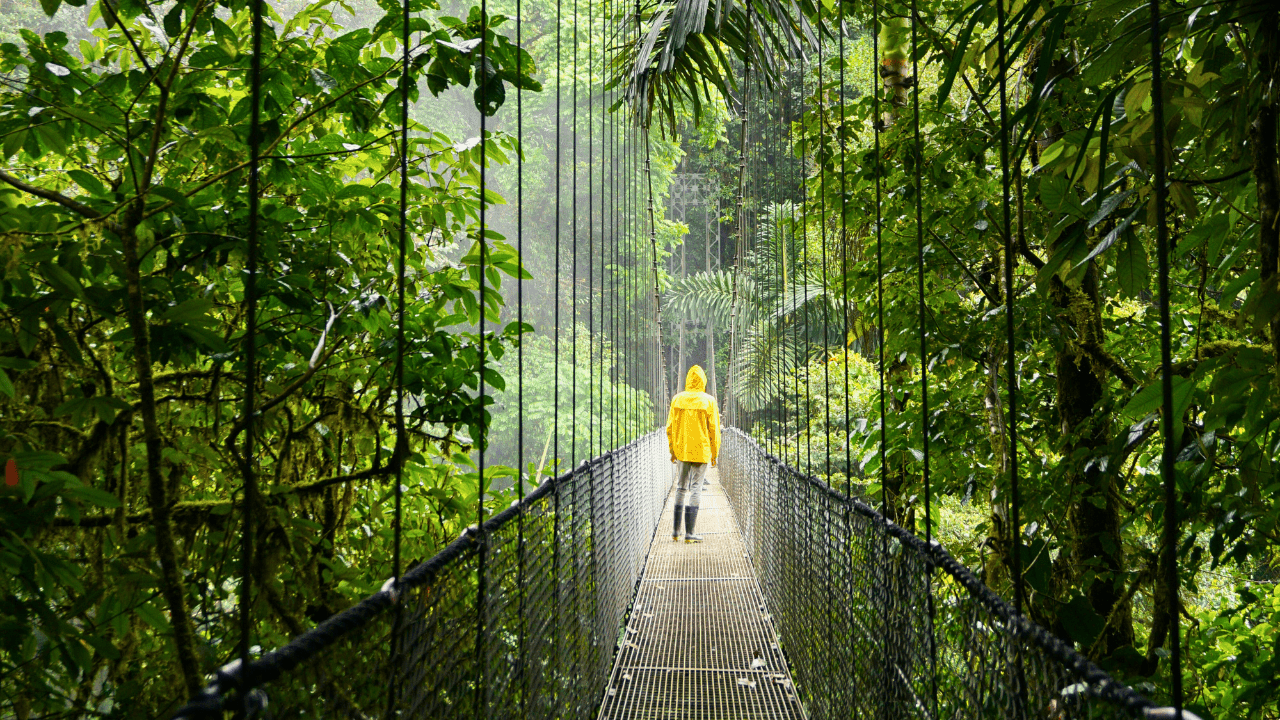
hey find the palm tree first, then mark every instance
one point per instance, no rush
(895, 39)
(770, 311)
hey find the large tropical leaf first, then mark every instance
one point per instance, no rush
(708, 297)
(687, 47)
(766, 358)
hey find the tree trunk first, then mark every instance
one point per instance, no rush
(171, 584)
(895, 37)
(1096, 545)
(1265, 173)
(999, 538)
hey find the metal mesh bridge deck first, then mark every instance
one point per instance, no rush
(700, 642)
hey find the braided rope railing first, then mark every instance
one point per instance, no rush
(848, 591)
(561, 570)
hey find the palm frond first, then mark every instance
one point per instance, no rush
(708, 296)
(685, 51)
(768, 356)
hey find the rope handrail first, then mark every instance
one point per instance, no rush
(234, 687)
(1099, 684)
(613, 519)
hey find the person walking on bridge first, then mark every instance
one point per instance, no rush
(693, 436)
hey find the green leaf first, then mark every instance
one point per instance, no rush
(103, 646)
(1134, 99)
(957, 56)
(1053, 191)
(173, 21)
(188, 311)
(53, 138)
(1263, 304)
(61, 280)
(1112, 236)
(323, 80)
(490, 96)
(50, 6)
(108, 407)
(153, 617)
(6, 387)
(1131, 266)
(1081, 622)
(1150, 398)
(87, 181)
(101, 498)
(13, 142)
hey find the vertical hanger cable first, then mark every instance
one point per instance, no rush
(573, 227)
(400, 453)
(917, 161)
(1015, 503)
(251, 340)
(1168, 422)
(482, 441)
(882, 335)
(521, 591)
(1011, 381)
(804, 260)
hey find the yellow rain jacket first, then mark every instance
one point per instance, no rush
(693, 426)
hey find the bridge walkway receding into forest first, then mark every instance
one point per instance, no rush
(699, 641)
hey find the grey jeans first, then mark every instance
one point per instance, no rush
(690, 483)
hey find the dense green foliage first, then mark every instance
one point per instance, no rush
(122, 329)
(122, 305)
(1087, 355)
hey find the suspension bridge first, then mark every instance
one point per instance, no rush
(803, 602)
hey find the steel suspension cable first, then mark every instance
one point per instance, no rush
(573, 290)
(844, 271)
(250, 477)
(592, 300)
(821, 96)
(521, 589)
(1011, 382)
(481, 553)
(556, 235)
(804, 263)
(402, 440)
(779, 221)
(740, 219)
(918, 160)
(798, 190)
(660, 376)
(1168, 457)
(844, 343)
(615, 217)
(882, 335)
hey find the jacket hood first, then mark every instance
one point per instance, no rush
(696, 380)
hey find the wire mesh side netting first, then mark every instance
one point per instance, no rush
(851, 591)
(560, 571)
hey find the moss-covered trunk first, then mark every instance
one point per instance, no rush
(172, 586)
(1095, 561)
(1265, 172)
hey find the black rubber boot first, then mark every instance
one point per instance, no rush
(675, 526)
(690, 519)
